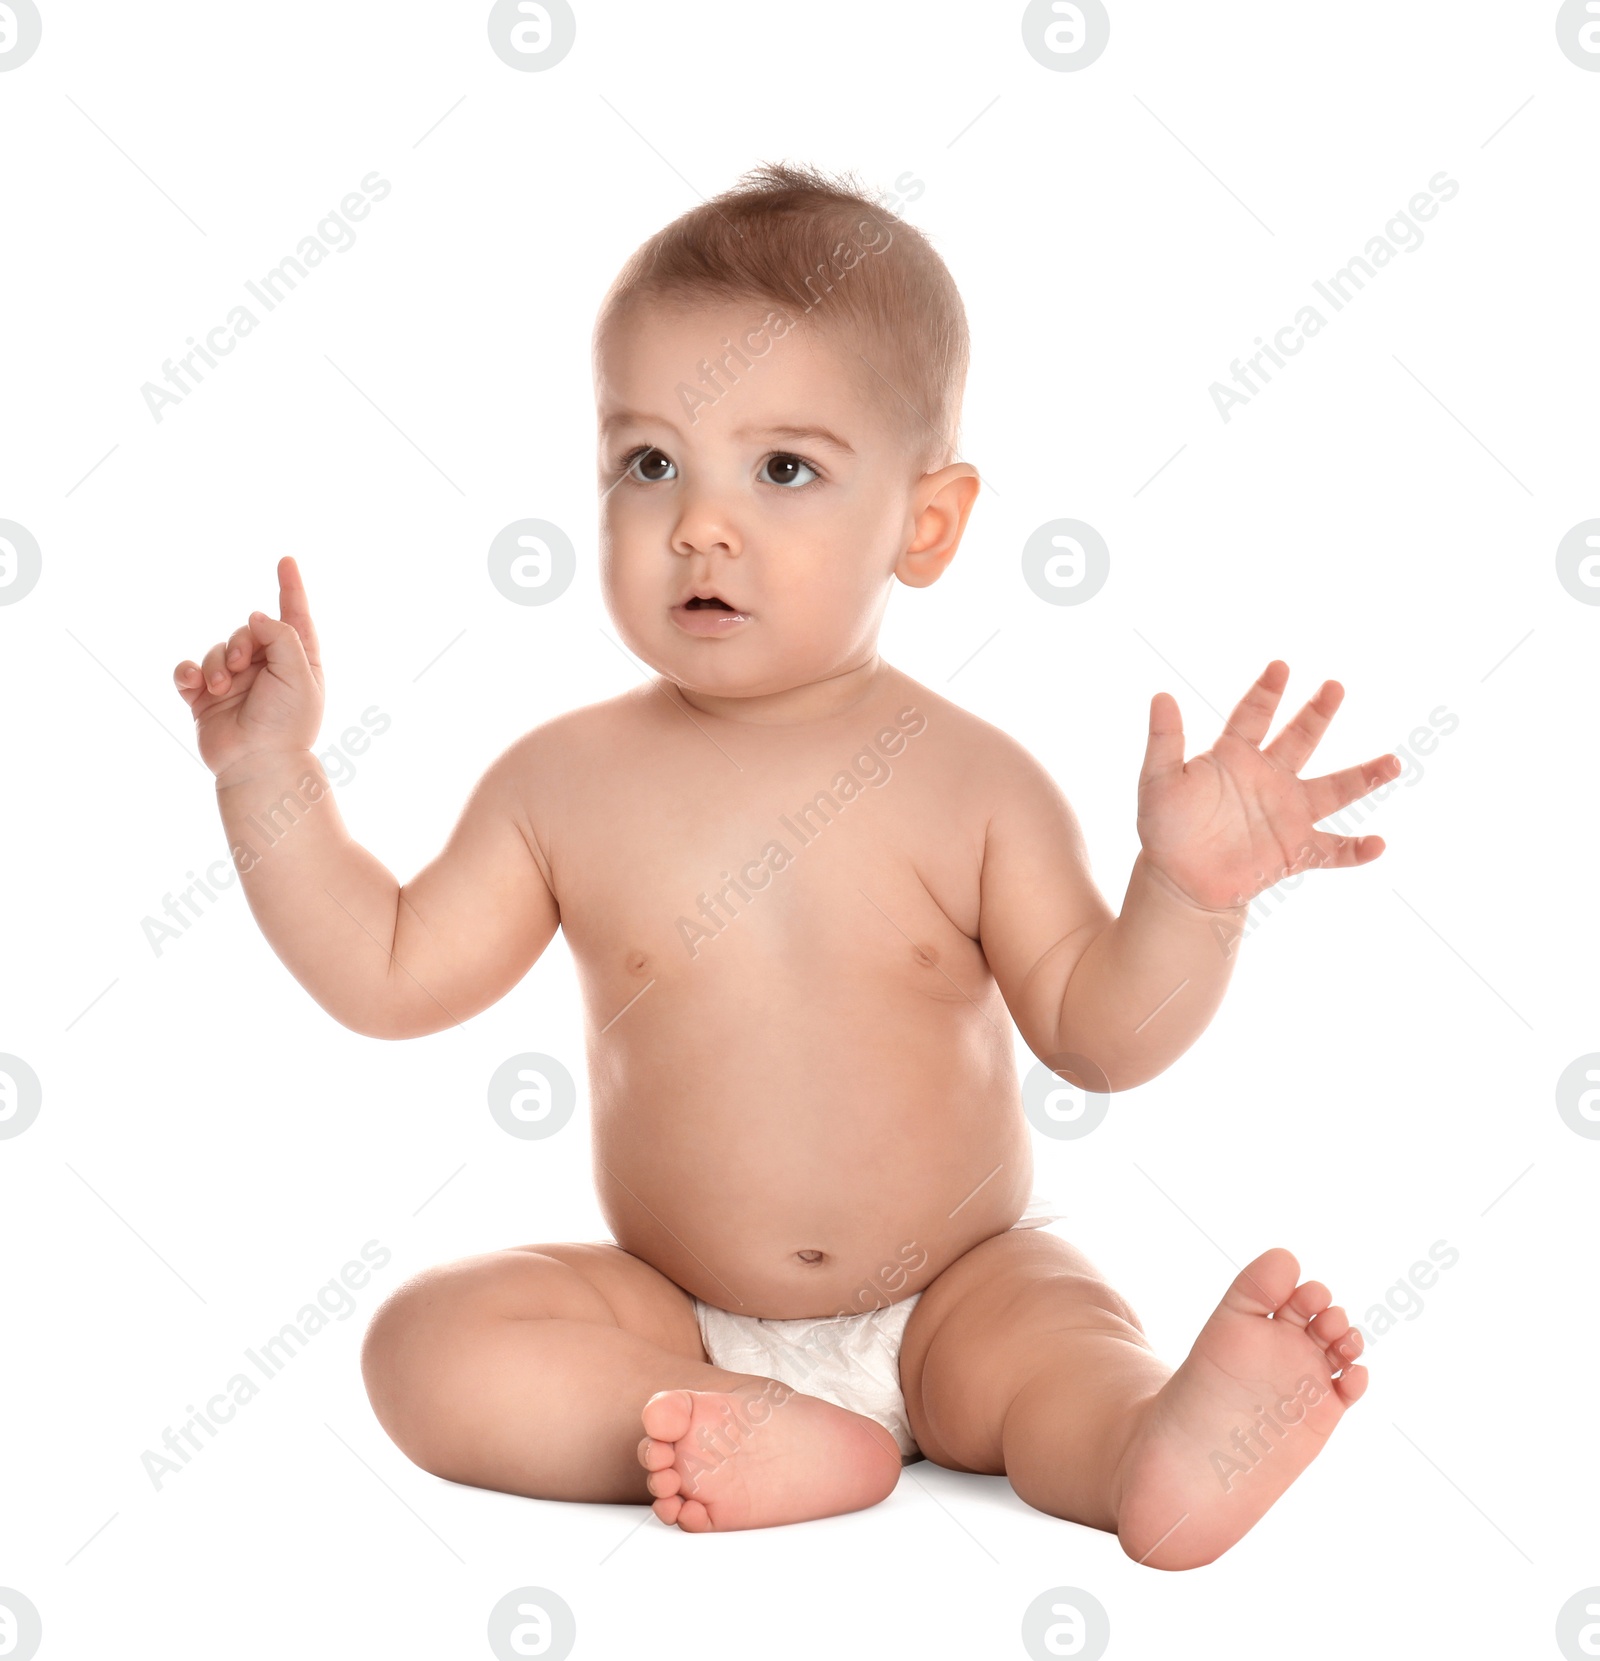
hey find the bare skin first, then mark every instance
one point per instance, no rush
(806, 897)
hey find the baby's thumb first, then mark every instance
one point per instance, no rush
(1163, 753)
(285, 650)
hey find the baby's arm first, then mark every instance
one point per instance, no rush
(1078, 979)
(1131, 993)
(385, 959)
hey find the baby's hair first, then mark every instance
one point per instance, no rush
(822, 251)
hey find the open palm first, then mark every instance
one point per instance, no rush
(1231, 822)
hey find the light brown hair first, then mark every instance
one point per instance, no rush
(828, 257)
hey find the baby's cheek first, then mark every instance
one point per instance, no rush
(626, 579)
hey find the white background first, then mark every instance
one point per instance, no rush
(212, 1147)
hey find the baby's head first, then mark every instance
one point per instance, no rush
(778, 379)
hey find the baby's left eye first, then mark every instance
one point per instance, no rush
(789, 471)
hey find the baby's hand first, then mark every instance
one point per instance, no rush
(1237, 819)
(262, 691)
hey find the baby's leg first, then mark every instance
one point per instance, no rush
(576, 1372)
(1019, 1358)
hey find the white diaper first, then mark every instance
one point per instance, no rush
(1040, 1211)
(851, 1360)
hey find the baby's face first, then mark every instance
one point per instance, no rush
(777, 488)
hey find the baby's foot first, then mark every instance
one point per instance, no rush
(760, 1454)
(1240, 1419)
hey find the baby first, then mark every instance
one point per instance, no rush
(807, 899)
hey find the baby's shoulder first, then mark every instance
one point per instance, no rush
(986, 755)
(575, 737)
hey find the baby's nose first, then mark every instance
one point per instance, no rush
(705, 526)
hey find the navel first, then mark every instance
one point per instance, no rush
(927, 956)
(637, 962)
(810, 1256)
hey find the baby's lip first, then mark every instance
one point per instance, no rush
(707, 619)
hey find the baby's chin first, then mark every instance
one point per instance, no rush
(730, 668)
(751, 680)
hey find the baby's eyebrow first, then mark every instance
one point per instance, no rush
(632, 418)
(795, 435)
(801, 434)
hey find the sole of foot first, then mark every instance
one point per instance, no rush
(760, 1455)
(1268, 1380)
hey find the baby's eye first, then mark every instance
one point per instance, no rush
(651, 467)
(787, 470)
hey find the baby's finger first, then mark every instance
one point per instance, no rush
(1347, 850)
(1325, 796)
(282, 644)
(1163, 753)
(294, 609)
(215, 669)
(189, 680)
(241, 648)
(1252, 715)
(1293, 746)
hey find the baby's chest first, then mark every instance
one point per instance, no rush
(807, 868)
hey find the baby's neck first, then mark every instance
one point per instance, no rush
(815, 701)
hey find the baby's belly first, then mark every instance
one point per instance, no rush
(830, 1149)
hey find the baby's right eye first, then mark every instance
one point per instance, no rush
(647, 467)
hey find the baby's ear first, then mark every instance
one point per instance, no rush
(940, 506)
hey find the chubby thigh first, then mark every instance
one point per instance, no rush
(1015, 1304)
(525, 1370)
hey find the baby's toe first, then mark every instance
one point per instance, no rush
(1351, 1384)
(1262, 1285)
(667, 1414)
(1304, 1302)
(664, 1484)
(667, 1509)
(1344, 1349)
(1328, 1327)
(654, 1455)
(693, 1518)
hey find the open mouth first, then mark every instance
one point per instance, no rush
(708, 616)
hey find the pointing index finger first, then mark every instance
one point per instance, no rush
(294, 609)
